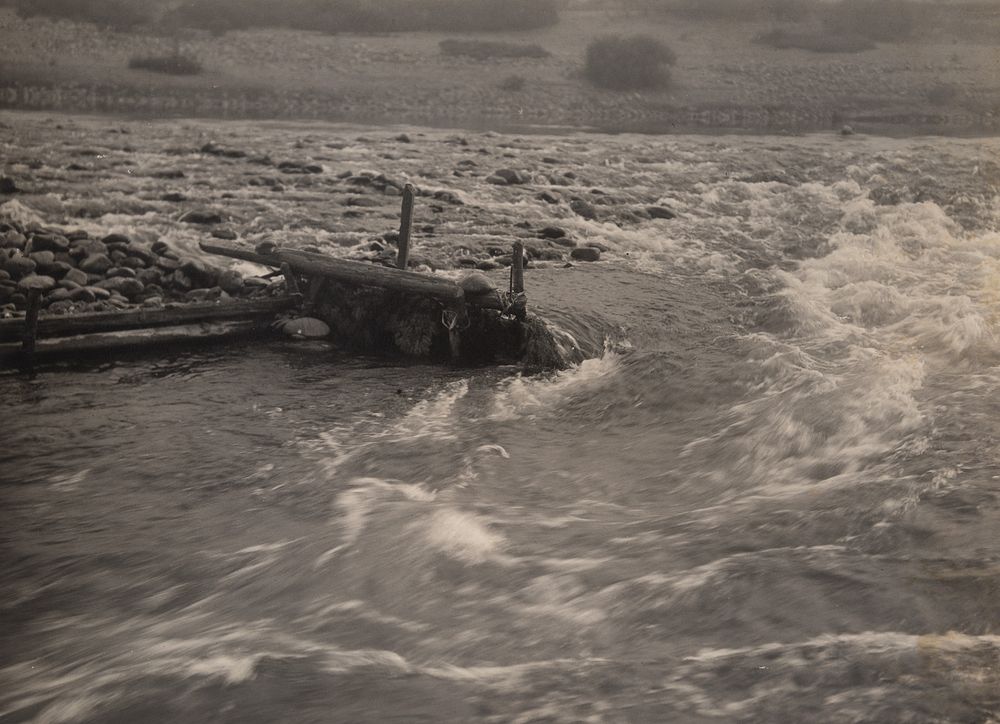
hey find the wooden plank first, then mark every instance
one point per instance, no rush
(68, 324)
(349, 272)
(405, 227)
(57, 346)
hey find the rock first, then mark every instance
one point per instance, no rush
(87, 247)
(149, 276)
(133, 262)
(7, 185)
(477, 283)
(661, 212)
(82, 294)
(19, 266)
(203, 295)
(125, 286)
(142, 252)
(585, 253)
(160, 248)
(582, 208)
(18, 300)
(61, 307)
(173, 197)
(548, 197)
(111, 239)
(487, 265)
(168, 173)
(181, 281)
(36, 281)
(552, 232)
(306, 328)
(119, 271)
(200, 273)
(4, 275)
(58, 295)
(117, 256)
(152, 302)
(57, 269)
(225, 234)
(96, 264)
(69, 285)
(204, 217)
(255, 282)
(49, 243)
(76, 235)
(266, 247)
(496, 180)
(511, 176)
(168, 264)
(13, 239)
(403, 138)
(363, 202)
(42, 258)
(231, 281)
(846, 130)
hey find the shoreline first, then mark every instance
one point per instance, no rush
(637, 115)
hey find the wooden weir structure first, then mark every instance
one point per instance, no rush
(326, 287)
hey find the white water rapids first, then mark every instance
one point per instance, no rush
(774, 496)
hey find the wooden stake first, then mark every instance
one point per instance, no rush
(291, 283)
(405, 225)
(517, 281)
(31, 326)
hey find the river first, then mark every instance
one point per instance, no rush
(771, 494)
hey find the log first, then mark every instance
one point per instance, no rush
(68, 324)
(405, 226)
(349, 272)
(11, 352)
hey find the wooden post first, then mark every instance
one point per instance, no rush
(31, 326)
(405, 224)
(291, 283)
(517, 281)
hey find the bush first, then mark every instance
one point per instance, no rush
(170, 64)
(484, 50)
(880, 20)
(816, 42)
(628, 63)
(513, 83)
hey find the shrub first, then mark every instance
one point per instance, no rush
(484, 50)
(816, 42)
(171, 64)
(942, 94)
(883, 20)
(513, 83)
(628, 63)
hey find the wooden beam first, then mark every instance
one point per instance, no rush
(56, 346)
(68, 324)
(405, 227)
(349, 272)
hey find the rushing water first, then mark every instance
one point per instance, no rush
(774, 497)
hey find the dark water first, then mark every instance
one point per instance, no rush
(773, 496)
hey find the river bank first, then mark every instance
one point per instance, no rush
(722, 81)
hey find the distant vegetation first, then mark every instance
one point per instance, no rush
(631, 63)
(884, 20)
(485, 49)
(816, 42)
(173, 64)
(330, 16)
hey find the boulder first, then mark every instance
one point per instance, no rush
(19, 266)
(125, 286)
(477, 283)
(552, 232)
(306, 328)
(120, 271)
(58, 295)
(87, 247)
(511, 176)
(149, 276)
(225, 234)
(582, 208)
(49, 242)
(199, 272)
(141, 251)
(96, 264)
(63, 306)
(13, 239)
(42, 258)
(585, 253)
(496, 180)
(7, 185)
(661, 212)
(203, 217)
(116, 239)
(231, 281)
(36, 281)
(82, 294)
(173, 197)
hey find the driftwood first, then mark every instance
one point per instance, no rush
(96, 322)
